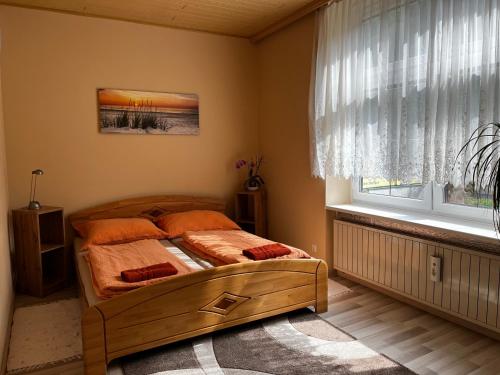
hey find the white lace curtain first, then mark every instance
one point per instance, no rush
(399, 85)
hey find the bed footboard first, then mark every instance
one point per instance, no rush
(199, 303)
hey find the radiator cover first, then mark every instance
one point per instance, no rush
(469, 286)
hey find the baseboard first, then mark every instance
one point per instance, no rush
(5, 354)
(452, 318)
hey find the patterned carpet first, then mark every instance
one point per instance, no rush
(300, 343)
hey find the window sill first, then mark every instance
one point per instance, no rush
(462, 226)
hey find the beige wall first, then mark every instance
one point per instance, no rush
(52, 65)
(6, 292)
(251, 97)
(296, 200)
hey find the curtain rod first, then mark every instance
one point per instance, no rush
(298, 14)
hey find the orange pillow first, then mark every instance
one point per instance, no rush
(178, 223)
(115, 231)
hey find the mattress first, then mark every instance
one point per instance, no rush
(83, 267)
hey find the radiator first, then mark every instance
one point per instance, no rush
(469, 286)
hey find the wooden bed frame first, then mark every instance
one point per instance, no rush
(193, 304)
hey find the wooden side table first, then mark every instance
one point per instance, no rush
(40, 250)
(251, 211)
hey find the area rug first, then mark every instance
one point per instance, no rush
(336, 289)
(44, 336)
(300, 343)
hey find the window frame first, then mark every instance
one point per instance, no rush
(439, 206)
(432, 203)
(397, 202)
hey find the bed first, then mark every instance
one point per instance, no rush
(210, 299)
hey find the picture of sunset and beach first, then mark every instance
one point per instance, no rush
(142, 112)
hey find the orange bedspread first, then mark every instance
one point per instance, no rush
(107, 262)
(226, 246)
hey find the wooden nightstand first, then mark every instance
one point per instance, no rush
(40, 250)
(251, 212)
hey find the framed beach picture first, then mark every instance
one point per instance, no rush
(143, 112)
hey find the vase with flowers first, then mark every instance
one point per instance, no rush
(254, 181)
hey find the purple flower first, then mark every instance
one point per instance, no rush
(240, 163)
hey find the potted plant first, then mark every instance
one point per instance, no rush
(484, 165)
(254, 181)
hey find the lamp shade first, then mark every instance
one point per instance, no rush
(38, 172)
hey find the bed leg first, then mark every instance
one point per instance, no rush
(94, 346)
(321, 305)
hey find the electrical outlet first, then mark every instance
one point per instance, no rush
(435, 270)
(314, 248)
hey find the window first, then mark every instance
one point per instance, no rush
(393, 188)
(399, 87)
(434, 198)
(467, 197)
(413, 195)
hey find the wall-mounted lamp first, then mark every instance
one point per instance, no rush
(34, 205)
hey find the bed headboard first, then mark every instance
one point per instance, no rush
(148, 207)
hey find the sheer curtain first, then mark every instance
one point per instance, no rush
(399, 85)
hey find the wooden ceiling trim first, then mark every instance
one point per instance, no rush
(116, 18)
(284, 22)
(253, 19)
